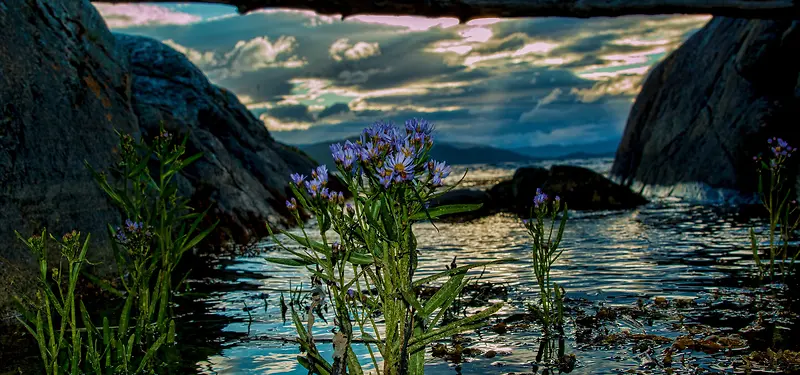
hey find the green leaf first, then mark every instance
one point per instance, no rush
(453, 328)
(445, 295)
(292, 262)
(461, 269)
(446, 210)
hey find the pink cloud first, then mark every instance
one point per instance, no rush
(129, 15)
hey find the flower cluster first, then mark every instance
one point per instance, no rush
(780, 150)
(391, 156)
(781, 147)
(315, 187)
(133, 233)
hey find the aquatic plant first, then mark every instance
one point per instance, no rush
(782, 210)
(159, 229)
(148, 247)
(368, 271)
(52, 318)
(542, 225)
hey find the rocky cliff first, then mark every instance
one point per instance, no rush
(67, 83)
(708, 108)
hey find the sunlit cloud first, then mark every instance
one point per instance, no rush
(342, 49)
(129, 15)
(505, 82)
(410, 23)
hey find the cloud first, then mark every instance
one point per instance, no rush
(343, 50)
(336, 109)
(203, 60)
(511, 82)
(259, 53)
(129, 15)
(291, 113)
(246, 56)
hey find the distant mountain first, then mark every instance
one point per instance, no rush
(451, 153)
(596, 149)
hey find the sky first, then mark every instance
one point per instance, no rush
(507, 83)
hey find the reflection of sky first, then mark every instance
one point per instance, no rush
(669, 249)
(502, 82)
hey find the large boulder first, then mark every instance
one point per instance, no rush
(708, 108)
(66, 85)
(64, 89)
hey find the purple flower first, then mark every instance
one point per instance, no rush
(782, 143)
(438, 171)
(557, 199)
(291, 204)
(324, 193)
(385, 180)
(769, 140)
(401, 166)
(525, 221)
(340, 197)
(351, 293)
(321, 173)
(298, 178)
(314, 187)
(540, 198)
(418, 126)
(369, 152)
(120, 236)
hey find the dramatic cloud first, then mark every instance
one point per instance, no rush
(510, 82)
(343, 50)
(128, 15)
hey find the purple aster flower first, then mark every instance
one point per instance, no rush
(351, 293)
(540, 198)
(291, 204)
(120, 236)
(402, 166)
(782, 143)
(369, 152)
(324, 193)
(385, 180)
(418, 126)
(320, 174)
(314, 187)
(337, 152)
(769, 140)
(340, 197)
(525, 221)
(298, 178)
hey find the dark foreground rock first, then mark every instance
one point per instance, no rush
(66, 85)
(581, 188)
(708, 108)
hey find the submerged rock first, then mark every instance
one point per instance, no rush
(708, 108)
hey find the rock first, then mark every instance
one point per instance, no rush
(64, 88)
(581, 188)
(243, 171)
(66, 85)
(692, 125)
